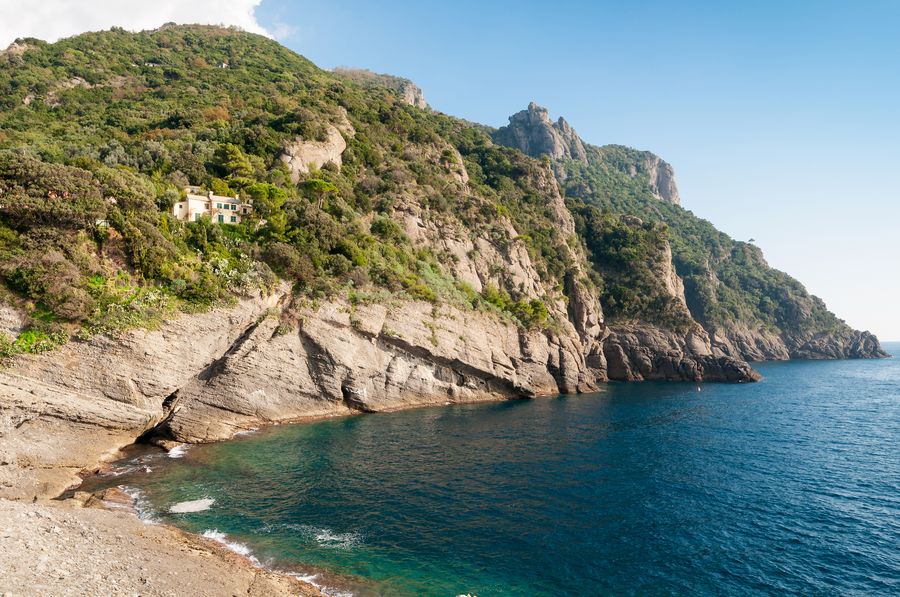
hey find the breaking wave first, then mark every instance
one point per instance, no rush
(178, 451)
(144, 511)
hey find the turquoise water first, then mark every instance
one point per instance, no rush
(788, 486)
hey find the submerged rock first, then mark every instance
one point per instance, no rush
(192, 506)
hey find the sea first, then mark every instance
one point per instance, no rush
(789, 486)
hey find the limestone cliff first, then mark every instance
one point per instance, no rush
(301, 154)
(662, 179)
(63, 411)
(278, 357)
(532, 132)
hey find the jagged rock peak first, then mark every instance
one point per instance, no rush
(532, 132)
(408, 91)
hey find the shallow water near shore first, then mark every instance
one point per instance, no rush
(788, 486)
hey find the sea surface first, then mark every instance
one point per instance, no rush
(786, 487)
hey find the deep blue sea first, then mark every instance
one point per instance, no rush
(786, 487)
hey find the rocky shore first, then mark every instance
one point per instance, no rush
(204, 377)
(265, 360)
(66, 549)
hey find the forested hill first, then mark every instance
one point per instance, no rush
(750, 309)
(359, 193)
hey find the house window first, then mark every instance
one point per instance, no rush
(218, 206)
(233, 219)
(196, 217)
(221, 218)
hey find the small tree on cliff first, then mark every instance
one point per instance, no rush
(317, 189)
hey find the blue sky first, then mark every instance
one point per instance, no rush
(780, 118)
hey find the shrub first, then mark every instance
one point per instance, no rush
(387, 229)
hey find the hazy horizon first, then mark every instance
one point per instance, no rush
(779, 121)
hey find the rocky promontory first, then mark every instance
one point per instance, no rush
(532, 132)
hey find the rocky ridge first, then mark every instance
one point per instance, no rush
(532, 132)
(408, 91)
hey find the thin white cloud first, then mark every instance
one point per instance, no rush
(51, 20)
(283, 31)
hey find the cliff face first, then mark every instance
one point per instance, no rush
(533, 133)
(63, 411)
(757, 314)
(763, 345)
(662, 179)
(277, 358)
(205, 377)
(301, 155)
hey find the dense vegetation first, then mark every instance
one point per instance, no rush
(99, 135)
(726, 281)
(632, 259)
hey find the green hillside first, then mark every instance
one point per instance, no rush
(726, 281)
(137, 117)
(101, 133)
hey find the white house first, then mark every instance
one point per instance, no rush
(222, 210)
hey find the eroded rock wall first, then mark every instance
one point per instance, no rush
(68, 409)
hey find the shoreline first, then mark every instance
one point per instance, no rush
(70, 548)
(117, 528)
(88, 535)
(69, 533)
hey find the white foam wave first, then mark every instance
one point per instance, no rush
(144, 512)
(192, 506)
(246, 432)
(328, 538)
(241, 549)
(238, 548)
(178, 451)
(311, 579)
(119, 471)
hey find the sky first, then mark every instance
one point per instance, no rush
(779, 117)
